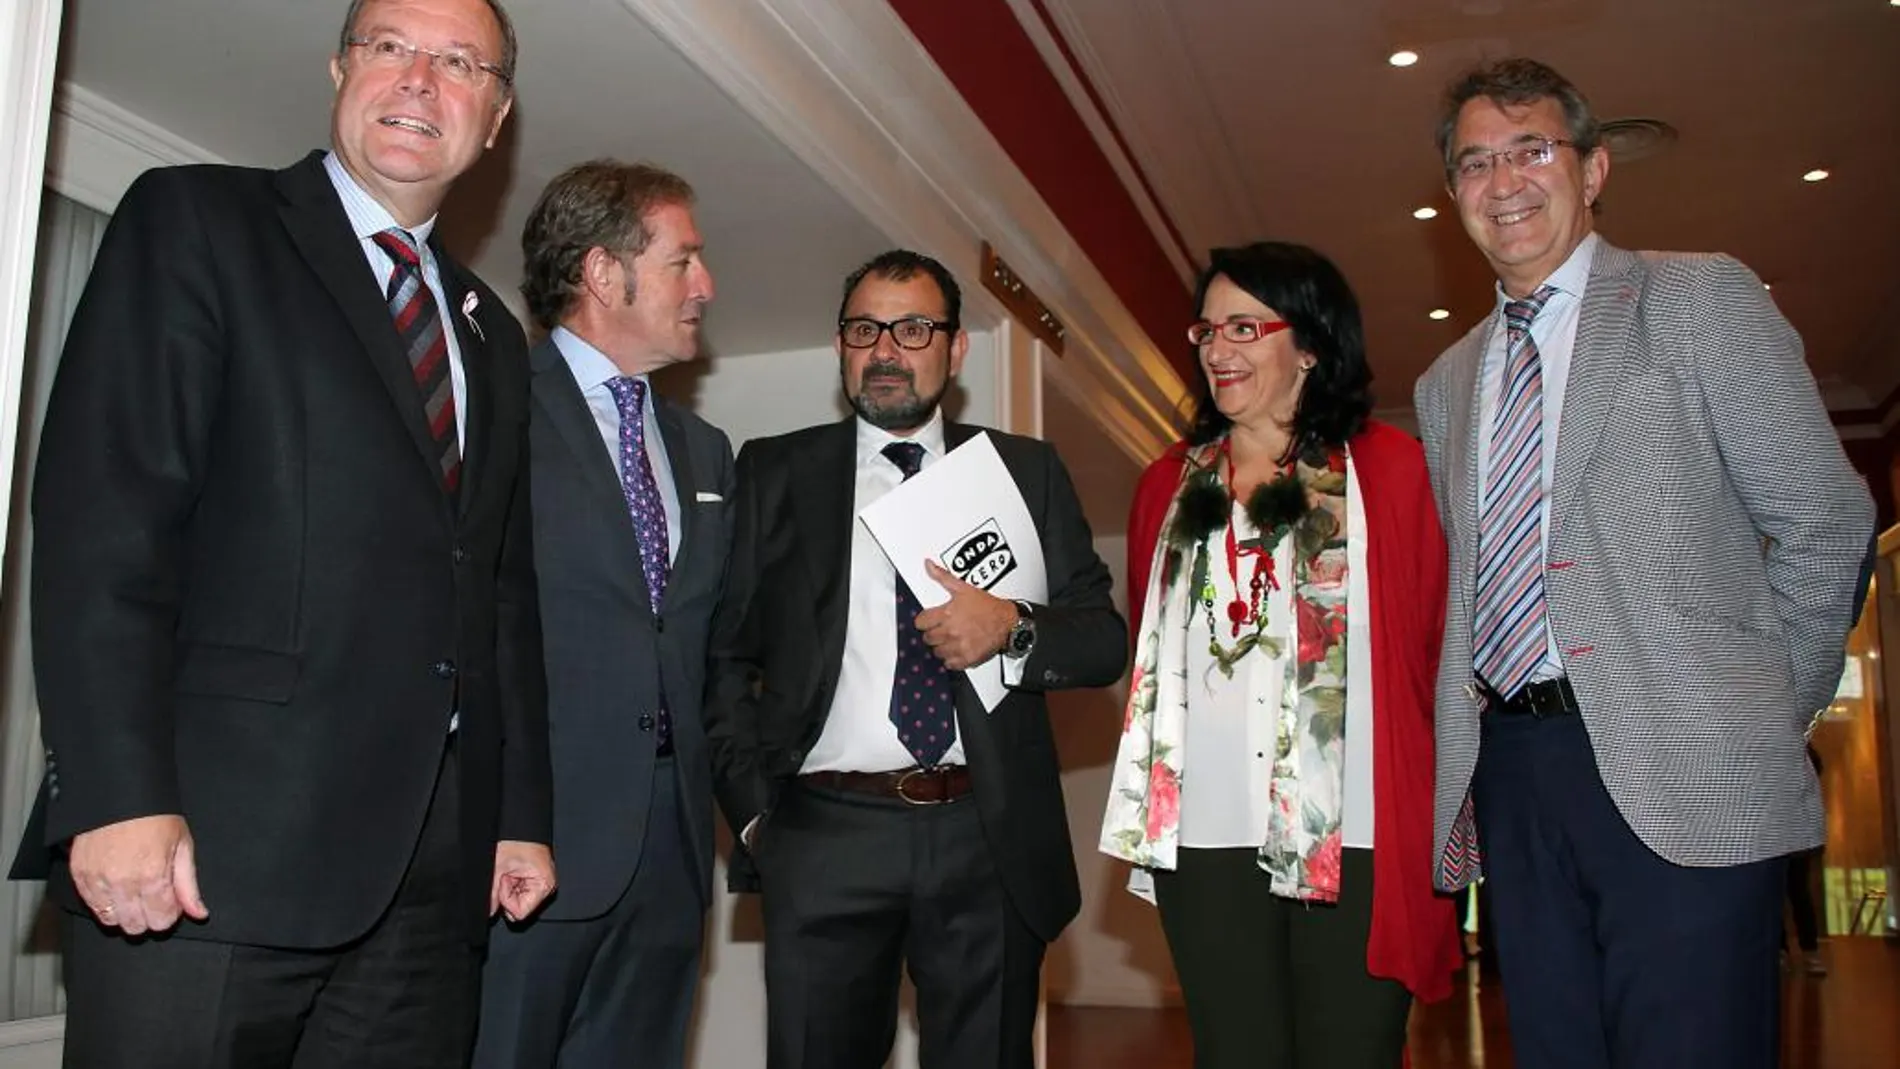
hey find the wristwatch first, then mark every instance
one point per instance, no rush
(1022, 633)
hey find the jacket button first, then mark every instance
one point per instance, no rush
(443, 669)
(459, 555)
(646, 721)
(659, 624)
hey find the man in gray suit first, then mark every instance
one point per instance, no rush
(632, 522)
(1627, 673)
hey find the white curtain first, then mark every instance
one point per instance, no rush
(29, 952)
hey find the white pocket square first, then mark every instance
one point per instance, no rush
(706, 495)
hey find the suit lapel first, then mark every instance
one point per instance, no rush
(679, 457)
(1597, 359)
(478, 377)
(1465, 423)
(825, 507)
(317, 224)
(560, 400)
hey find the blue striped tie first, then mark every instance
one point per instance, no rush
(1509, 628)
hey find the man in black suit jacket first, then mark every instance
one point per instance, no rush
(624, 481)
(284, 626)
(897, 825)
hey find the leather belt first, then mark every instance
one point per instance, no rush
(915, 786)
(1541, 700)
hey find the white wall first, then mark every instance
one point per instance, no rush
(29, 35)
(1113, 953)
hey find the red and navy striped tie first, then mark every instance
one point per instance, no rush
(419, 323)
(1509, 630)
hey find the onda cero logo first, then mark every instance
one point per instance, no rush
(983, 557)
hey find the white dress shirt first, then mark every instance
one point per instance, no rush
(859, 735)
(369, 218)
(592, 370)
(1555, 332)
(1227, 754)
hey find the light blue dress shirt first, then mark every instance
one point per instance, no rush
(591, 370)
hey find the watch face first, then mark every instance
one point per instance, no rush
(1021, 637)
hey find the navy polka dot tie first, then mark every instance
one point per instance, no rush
(922, 707)
(646, 508)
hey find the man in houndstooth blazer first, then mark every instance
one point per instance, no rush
(1630, 805)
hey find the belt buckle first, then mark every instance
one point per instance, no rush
(903, 782)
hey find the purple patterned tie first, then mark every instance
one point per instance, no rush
(1509, 635)
(922, 707)
(419, 323)
(642, 492)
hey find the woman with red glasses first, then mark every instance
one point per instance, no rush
(1286, 578)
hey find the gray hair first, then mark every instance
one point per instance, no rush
(1517, 81)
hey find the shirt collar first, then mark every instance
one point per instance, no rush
(590, 366)
(1571, 278)
(872, 440)
(367, 215)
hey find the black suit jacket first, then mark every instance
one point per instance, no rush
(780, 644)
(608, 655)
(253, 601)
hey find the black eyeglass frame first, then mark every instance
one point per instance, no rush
(937, 326)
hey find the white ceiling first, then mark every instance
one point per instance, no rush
(248, 80)
(1283, 120)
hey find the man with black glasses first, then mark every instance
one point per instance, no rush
(284, 622)
(1627, 674)
(890, 821)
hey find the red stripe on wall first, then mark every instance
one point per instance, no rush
(1114, 129)
(985, 53)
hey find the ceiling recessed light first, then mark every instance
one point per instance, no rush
(1425, 213)
(1439, 313)
(1816, 175)
(1402, 59)
(1768, 285)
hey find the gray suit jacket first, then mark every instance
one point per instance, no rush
(607, 654)
(1692, 433)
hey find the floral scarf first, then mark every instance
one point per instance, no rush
(1301, 851)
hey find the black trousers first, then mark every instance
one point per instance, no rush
(611, 991)
(1807, 924)
(402, 997)
(1612, 956)
(858, 888)
(1271, 983)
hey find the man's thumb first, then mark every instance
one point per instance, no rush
(185, 880)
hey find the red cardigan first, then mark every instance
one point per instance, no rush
(1414, 929)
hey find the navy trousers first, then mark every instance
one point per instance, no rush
(1612, 957)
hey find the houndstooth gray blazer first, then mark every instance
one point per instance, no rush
(1692, 431)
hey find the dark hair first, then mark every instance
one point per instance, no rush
(1306, 290)
(506, 63)
(597, 204)
(1517, 81)
(902, 265)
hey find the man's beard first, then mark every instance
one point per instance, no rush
(905, 413)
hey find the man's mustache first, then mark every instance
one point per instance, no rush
(887, 371)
